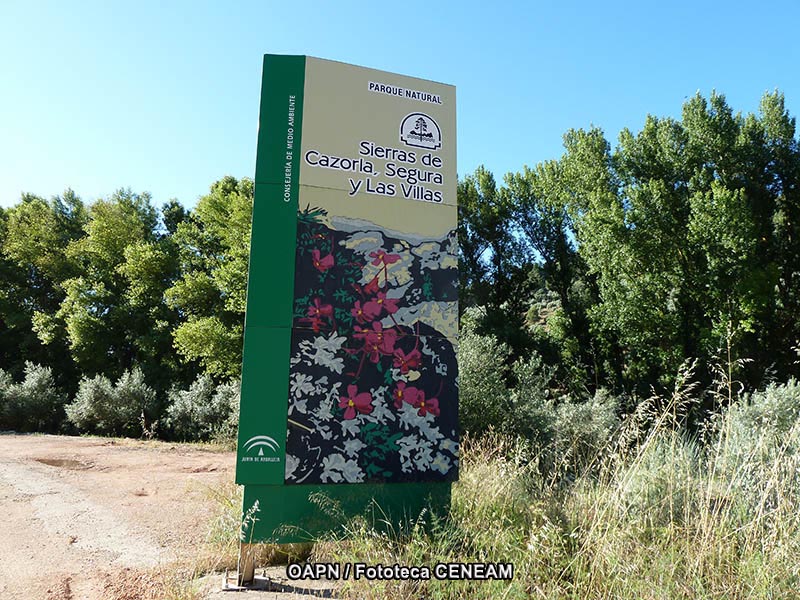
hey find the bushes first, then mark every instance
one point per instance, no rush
(127, 407)
(663, 483)
(119, 409)
(35, 404)
(204, 411)
(482, 390)
(657, 521)
(757, 452)
(5, 383)
(583, 429)
(190, 410)
(532, 414)
(228, 429)
(772, 412)
(520, 400)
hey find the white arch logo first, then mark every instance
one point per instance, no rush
(421, 131)
(261, 442)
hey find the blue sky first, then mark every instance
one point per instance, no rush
(162, 96)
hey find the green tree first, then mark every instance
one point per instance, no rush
(114, 312)
(33, 266)
(210, 296)
(562, 290)
(492, 272)
(690, 229)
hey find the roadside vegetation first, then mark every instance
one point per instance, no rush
(652, 512)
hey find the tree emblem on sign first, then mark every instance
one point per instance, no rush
(421, 131)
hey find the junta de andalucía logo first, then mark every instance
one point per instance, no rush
(257, 448)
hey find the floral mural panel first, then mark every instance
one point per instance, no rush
(373, 372)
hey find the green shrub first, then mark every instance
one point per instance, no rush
(483, 397)
(103, 408)
(94, 407)
(567, 433)
(35, 404)
(203, 411)
(584, 429)
(229, 396)
(757, 456)
(661, 484)
(771, 412)
(532, 414)
(5, 383)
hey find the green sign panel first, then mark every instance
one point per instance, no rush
(349, 380)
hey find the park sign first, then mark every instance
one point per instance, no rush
(349, 378)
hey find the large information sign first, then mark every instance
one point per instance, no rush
(349, 379)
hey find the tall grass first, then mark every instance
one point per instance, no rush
(653, 513)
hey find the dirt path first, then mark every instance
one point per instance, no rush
(76, 513)
(94, 518)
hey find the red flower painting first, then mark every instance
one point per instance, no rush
(382, 258)
(385, 339)
(404, 393)
(372, 287)
(426, 406)
(321, 263)
(317, 313)
(377, 305)
(355, 402)
(406, 362)
(366, 313)
(319, 310)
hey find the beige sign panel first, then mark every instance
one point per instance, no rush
(388, 142)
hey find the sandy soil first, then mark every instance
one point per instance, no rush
(77, 515)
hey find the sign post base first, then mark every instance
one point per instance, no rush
(246, 572)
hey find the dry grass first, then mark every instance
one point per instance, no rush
(657, 514)
(174, 581)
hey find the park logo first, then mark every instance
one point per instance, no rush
(421, 131)
(257, 444)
